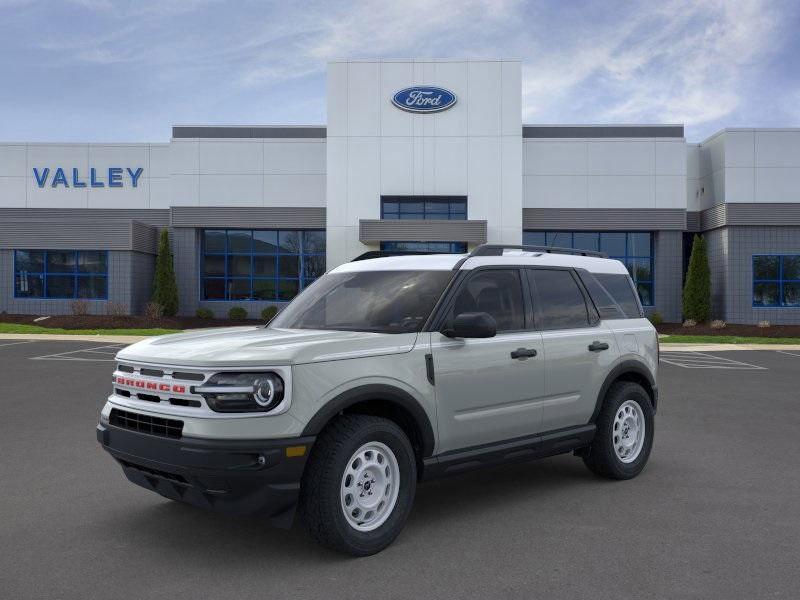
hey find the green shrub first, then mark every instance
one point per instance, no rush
(165, 288)
(697, 291)
(237, 313)
(656, 318)
(269, 313)
(204, 313)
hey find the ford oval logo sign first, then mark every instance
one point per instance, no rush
(424, 99)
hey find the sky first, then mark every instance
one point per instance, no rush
(127, 70)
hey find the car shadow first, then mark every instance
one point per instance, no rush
(199, 536)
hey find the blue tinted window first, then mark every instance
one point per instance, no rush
(436, 247)
(66, 274)
(583, 240)
(634, 249)
(776, 280)
(260, 264)
(450, 208)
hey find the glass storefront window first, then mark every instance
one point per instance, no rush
(434, 247)
(776, 280)
(448, 208)
(259, 264)
(633, 248)
(61, 274)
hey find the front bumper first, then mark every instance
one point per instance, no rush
(237, 477)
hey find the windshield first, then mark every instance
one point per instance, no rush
(379, 301)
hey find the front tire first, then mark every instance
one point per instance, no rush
(624, 436)
(359, 486)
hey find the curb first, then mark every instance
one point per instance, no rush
(49, 337)
(725, 347)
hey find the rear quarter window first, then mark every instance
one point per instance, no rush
(621, 291)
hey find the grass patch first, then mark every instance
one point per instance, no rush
(21, 328)
(726, 339)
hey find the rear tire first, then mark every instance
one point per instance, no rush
(359, 485)
(624, 436)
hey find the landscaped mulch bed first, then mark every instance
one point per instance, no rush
(142, 322)
(122, 322)
(774, 331)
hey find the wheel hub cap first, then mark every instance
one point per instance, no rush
(370, 486)
(629, 431)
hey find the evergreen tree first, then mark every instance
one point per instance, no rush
(165, 288)
(697, 290)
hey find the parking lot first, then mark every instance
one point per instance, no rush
(716, 513)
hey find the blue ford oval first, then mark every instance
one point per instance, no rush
(424, 99)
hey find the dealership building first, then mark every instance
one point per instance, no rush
(416, 155)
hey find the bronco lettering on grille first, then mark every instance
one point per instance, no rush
(150, 385)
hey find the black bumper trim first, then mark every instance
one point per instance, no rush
(237, 477)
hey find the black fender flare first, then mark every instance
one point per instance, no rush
(626, 366)
(376, 391)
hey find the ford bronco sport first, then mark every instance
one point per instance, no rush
(385, 372)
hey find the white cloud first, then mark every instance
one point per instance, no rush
(683, 61)
(699, 62)
(300, 42)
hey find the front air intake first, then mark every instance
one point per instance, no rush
(158, 426)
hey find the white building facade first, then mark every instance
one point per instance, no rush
(257, 213)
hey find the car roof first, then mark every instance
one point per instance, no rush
(446, 262)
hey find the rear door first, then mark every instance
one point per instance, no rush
(491, 389)
(579, 349)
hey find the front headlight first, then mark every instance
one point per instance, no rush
(242, 392)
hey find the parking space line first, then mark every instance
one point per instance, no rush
(67, 358)
(702, 360)
(17, 343)
(787, 353)
(70, 355)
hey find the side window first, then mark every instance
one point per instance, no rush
(497, 292)
(561, 301)
(621, 290)
(606, 305)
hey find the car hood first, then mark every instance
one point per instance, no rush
(259, 346)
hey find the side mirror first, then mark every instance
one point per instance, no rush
(472, 325)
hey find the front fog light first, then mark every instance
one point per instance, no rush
(242, 392)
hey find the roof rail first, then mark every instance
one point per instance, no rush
(497, 250)
(384, 253)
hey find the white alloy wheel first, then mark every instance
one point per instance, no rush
(629, 431)
(370, 486)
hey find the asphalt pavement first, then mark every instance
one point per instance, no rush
(716, 513)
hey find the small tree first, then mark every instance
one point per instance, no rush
(165, 288)
(697, 290)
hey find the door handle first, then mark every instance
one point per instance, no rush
(597, 346)
(523, 353)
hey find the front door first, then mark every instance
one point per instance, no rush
(490, 389)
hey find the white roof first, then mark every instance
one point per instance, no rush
(419, 262)
(446, 262)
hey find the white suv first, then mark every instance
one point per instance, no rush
(385, 372)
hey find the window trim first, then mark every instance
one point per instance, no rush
(780, 282)
(75, 274)
(302, 281)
